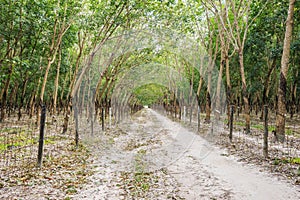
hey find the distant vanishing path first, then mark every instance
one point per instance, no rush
(184, 166)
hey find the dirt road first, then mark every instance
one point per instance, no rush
(152, 157)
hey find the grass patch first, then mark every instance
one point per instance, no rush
(278, 161)
(3, 147)
(16, 137)
(10, 130)
(295, 160)
(239, 123)
(258, 126)
(288, 132)
(261, 127)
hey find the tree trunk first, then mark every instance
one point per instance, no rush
(5, 93)
(81, 43)
(294, 95)
(219, 87)
(244, 92)
(211, 65)
(224, 50)
(200, 79)
(56, 84)
(22, 98)
(45, 80)
(228, 87)
(54, 47)
(265, 97)
(72, 89)
(281, 112)
(191, 95)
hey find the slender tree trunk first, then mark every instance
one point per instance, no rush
(12, 101)
(294, 95)
(244, 93)
(63, 100)
(5, 93)
(56, 84)
(50, 60)
(45, 80)
(218, 95)
(190, 95)
(21, 103)
(207, 106)
(34, 100)
(98, 92)
(281, 112)
(228, 87)
(82, 100)
(200, 79)
(219, 87)
(72, 89)
(211, 66)
(54, 47)
(81, 43)
(220, 76)
(267, 79)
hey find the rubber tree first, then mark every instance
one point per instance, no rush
(212, 48)
(21, 46)
(11, 35)
(263, 50)
(281, 112)
(236, 25)
(101, 27)
(62, 15)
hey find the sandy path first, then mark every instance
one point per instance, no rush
(193, 169)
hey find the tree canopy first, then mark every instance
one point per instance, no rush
(48, 48)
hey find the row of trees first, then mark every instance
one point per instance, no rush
(47, 47)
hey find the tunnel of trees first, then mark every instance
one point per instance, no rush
(241, 53)
(73, 72)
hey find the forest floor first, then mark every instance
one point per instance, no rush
(150, 156)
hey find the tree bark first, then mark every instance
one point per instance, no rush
(224, 50)
(265, 97)
(200, 79)
(56, 84)
(5, 93)
(244, 92)
(281, 112)
(228, 87)
(211, 66)
(294, 95)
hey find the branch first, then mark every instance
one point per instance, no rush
(251, 22)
